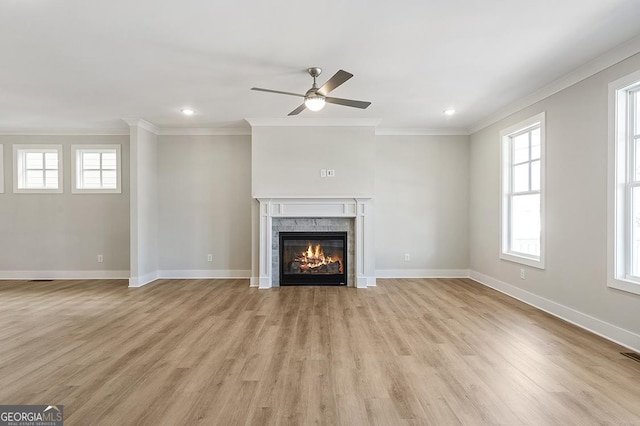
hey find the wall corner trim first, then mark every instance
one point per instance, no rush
(144, 124)
(143, 280)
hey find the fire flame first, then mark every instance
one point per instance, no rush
(314, 257)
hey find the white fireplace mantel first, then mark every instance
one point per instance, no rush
(361, 209)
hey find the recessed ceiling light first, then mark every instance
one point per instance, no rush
(187, 111)
(450, 111)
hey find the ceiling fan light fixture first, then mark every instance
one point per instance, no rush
(316, 97)
(314, 103)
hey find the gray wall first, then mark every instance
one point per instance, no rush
(576, 209)
(144, 206)
(419, 184)
(48, 234)
(421, 201)
(286, 161)
(205, 204)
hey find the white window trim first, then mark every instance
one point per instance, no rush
(16, 178)
(1, 169)
(616, 184)
(74, 169)
(535, 262)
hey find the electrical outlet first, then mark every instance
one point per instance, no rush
(323, 172)
(331, 173)
(522, 274)
(209, 258)
(100, 258)
(407, 257)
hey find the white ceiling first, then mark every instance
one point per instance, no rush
(90, 63)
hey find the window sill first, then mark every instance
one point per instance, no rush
(96, 191)
(37, 191)
(624, 285)
(523, 260)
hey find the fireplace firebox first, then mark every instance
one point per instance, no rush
(313, 258)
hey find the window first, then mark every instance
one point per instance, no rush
(523, 147)
(96, 169)
(624, 184)
(37, 168)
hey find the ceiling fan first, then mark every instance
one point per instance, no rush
(315, 98)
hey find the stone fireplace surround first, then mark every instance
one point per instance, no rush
(308, 214)
(315, 224)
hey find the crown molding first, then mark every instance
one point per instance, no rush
(204, 131)
(186, 131)
(307, 122)
(219, 131)
(389, 131)
(64, 132)
(148, 127)
(144, 124)
(616, 55)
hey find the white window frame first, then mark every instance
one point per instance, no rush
(77, 150)
(17, 179)
(1, 169)
(537, 120)
(621, 151)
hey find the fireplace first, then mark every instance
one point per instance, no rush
(313, 258)
(297, 214)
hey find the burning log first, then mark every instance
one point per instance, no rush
(314, 261)
(294, 267)
(333, 268)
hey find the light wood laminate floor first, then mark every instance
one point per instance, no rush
(216, 352)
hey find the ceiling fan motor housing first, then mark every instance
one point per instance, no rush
(314, 71)
(312, 93)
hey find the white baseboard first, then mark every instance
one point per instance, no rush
(123, 275)
(64, 275)
(364, 281)
(187, 274)
(594, 325)
(204, 274)
(143, 280)
(422, 273)
(253, 281)
(264, 283)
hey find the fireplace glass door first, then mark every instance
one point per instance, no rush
(313, 258)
